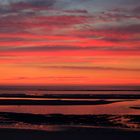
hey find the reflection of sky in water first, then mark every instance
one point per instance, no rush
(122, 108)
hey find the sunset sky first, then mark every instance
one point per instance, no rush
(69, 42)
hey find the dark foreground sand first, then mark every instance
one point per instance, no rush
(70, 134)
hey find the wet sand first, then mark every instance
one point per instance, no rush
(53, 102)
(26, 120)
(135, 107)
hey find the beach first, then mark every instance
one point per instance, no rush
(71, 133)
(53, 115)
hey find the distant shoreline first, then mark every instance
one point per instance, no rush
(72, 96)
(72, 87)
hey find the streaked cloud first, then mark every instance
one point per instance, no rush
(35, 35)
(67, 48)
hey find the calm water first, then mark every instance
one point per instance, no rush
(123, 106)
(117, 108)
(120, 107)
